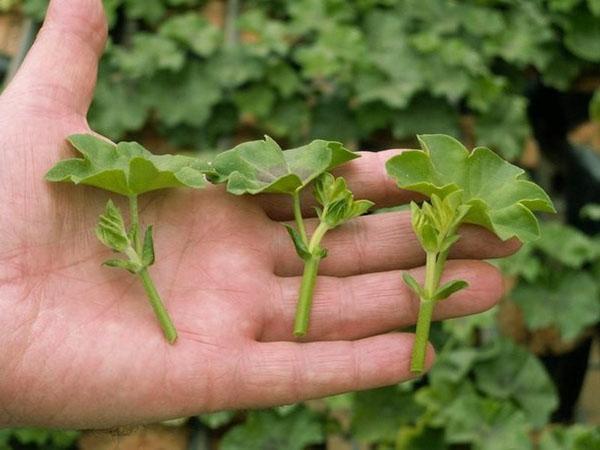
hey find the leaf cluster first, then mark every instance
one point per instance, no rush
(497, 194)
(488, 396)
(492, 395)
(14, 439)
(337, 202)
(576, 437)
(258, 167)
(295, 429)
(435, 223)
(112, 232)
(558, 282)
(296, 69)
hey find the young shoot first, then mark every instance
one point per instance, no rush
(337, 207)
(263, 167)
(130, 170)
(477, 187)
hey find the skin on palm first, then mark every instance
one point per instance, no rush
(80, 346)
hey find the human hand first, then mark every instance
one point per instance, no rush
(81, 347)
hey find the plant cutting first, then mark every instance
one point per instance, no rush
(477, 187)
(263, 167)
(128, 169)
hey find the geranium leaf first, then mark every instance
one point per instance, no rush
(567, 300)
(262, 166)
(300, 429)
(567, 245)
(507, 371)
(498, 195)
(126, 168)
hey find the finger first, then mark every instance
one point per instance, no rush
(378, 243)
(364, 305)
(59, 73)
(278, 373)
(366, 177)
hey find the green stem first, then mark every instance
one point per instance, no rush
(317, 236)
(135, 223)
(298, 217)
(439, 267)
(309, 279)
(153, 296)
(159, 308)
(433, 271)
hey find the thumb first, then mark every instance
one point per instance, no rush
(58, 75)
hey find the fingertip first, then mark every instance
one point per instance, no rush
(486, 288)
(491, 283)
(389, 360)
(477, 242)
(511, 246)
(58, 75)
(86, 18)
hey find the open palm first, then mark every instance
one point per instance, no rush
(80, 345)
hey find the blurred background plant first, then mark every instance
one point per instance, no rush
(519, 76)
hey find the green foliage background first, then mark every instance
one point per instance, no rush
(205, 74)
(372, 73)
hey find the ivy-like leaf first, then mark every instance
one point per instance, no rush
(499, 197)
(583, 36)
(378, 413)
(574, 437)
(507, 371)
(262, 166)
(567, 245)
(126, 168)
(194, 31)
(466, 416)
(567, 300)
(270, 430)
(449, 288)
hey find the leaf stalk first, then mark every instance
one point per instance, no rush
(298, 217)
(135, 223)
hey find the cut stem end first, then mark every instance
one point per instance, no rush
(309, 278)
(158, 306)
